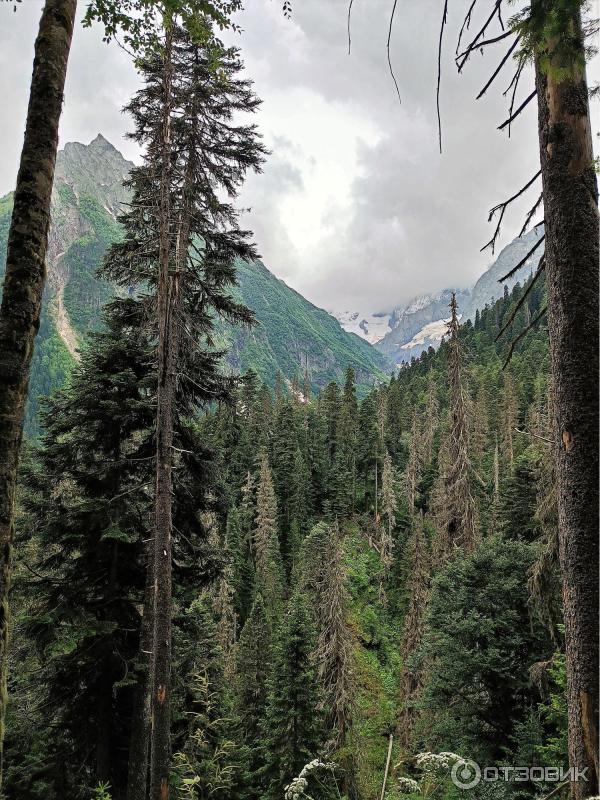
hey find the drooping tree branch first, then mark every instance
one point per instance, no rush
(508, 323)
(523, 260)
(439, 71)
(514, 115)
(388, 49)
(349, 15)
(525, 331)
(501, 207)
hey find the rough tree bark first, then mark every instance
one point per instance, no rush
(160, 754)
(571, 226)
(26, 274)
(169, 308)
(139, 743)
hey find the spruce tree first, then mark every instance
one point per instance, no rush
(388, 508)
(192, 166)
(334, 644)
(412, 632)
(292, 730)
(269, 565)
(253, 661)
(456, 507)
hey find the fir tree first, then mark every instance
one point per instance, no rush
(412, 632)
(269, 565)
(388, 509)
(334, 646)
(253, 664)
(456, 506)
(292, 731)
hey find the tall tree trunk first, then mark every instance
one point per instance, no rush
(137, 776)
(163, 524)
(571, 224)
(169, 312)
(26, 274)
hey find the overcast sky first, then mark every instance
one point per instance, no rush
(356, 208)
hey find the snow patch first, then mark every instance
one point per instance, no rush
(430, 333)
(372, 327)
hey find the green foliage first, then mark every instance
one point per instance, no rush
(553, 749)
(480, 642)
(292, 730)
(289, 466)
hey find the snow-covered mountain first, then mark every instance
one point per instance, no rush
(407, 331)
(372, 327)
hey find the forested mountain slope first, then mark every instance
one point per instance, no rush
(344, 580)
(292, 336)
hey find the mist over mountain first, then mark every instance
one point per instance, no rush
(292, 337)
(407, 331)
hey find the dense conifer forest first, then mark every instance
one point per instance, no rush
(327, 593)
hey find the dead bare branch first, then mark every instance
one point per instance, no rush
(439, 71)
(521, 108)
(530, 213)
(499, 67)
(502, 208)
(473, 45)
(349, 15)
(465, 25)
(388, 49)
(523, 260)
(540, 269)
(522, 334)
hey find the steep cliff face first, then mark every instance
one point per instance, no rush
(488, 288)
(87, 195)
(292, 334)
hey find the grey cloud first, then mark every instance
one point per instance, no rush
(413, 220)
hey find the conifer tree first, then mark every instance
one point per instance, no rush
(509, 420)
(293, 729)
(334, 645)
(88, 497)
(457, 511)
(265, 527)
(412, 472)
(300, 502)
(412, 632)
(189, 165)
(388, 509)
(269, 565)
(242, 570)
(253, 659)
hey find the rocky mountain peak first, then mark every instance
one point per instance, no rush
(95, 170)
